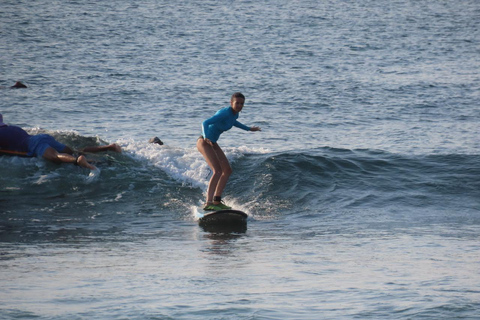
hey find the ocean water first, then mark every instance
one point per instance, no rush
(362, 189)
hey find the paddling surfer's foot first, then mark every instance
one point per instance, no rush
(82, 162)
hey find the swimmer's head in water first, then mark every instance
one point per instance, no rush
(18, 84)
(156, 140)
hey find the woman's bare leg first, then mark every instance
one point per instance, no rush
(226, 172)
(211, 157)
(52, 155)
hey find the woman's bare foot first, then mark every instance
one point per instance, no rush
(82, 162)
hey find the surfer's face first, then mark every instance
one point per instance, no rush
(237, 104)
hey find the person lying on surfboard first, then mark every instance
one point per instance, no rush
(16, 141)
(207, 144)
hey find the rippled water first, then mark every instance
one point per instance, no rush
(362, 189)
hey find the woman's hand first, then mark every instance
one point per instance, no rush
(255, 129)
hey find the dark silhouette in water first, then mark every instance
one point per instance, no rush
(156, 140)
(19, 85)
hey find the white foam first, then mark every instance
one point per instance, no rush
(17, 161)
(185, 165)
(93, 175)
(43, 178)
(196, 212)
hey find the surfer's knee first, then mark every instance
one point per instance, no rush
(222, 170)
(227, 171)
(217, 172)
(51, 154)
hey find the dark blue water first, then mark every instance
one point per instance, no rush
(362, 189)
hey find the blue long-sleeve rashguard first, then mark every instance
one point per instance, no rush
(222, 121)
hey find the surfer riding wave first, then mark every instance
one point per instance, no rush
(207, 144)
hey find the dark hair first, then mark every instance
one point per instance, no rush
(237, 95)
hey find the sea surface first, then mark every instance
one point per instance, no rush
(362, 189)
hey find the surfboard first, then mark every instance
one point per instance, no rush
(222, 220)
(13, 153)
